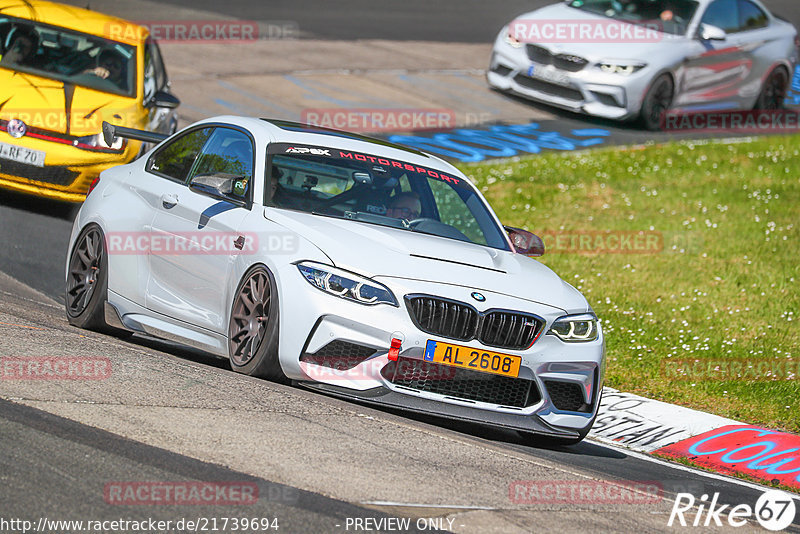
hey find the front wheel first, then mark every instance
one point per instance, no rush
(657, 102)
(773, 93)
(253, 327)
(87, 281)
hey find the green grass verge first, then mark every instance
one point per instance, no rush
(719, 286)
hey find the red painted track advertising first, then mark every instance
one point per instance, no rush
(755, 451)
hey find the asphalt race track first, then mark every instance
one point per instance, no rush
(169, 414)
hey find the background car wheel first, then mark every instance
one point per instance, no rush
(253, 327)
(87, 281)
(657, 101)
(773, 93)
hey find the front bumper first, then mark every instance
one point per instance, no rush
(67, 172)
(589, 90)
(313, 322)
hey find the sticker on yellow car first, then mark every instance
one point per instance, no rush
(22, 155)
(470, 358)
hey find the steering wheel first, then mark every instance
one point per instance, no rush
(416, 222)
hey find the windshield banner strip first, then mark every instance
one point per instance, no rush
(310, 150)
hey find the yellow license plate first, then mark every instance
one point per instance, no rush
(475, 359)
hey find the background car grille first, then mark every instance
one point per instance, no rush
(509, 330)
(51, 174)
(457, 320)
(443, 317)
(567, 396)
(462, 383)
(566, 62)
(339, 355)
(548, 88)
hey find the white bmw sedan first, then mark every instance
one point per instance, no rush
(338, 262)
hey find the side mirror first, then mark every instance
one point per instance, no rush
(229, 187)
(163, 99)
(363, 178)
(525, 242)
(707, 32)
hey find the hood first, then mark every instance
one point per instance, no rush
(597, 51)
(379, 251)
(58, 107)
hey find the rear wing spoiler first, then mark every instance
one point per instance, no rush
(111, 132)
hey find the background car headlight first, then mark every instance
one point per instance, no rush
(626, 69)
(96, 142)
(346, 285)
(574, 328)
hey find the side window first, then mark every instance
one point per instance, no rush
(452, 211)
(175, 160)
(723, 14)
(154, 73)
(158, 66)
(751, 17)
(226, 163)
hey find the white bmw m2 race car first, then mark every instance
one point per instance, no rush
(338, 262)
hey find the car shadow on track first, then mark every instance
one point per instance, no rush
(38, 205)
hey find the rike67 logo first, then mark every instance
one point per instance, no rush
(775, 510)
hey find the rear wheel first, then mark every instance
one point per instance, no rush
(87, 281)
(773, 93)
(253, 327)
(657, 102)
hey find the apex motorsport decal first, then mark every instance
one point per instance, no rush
(335, 153)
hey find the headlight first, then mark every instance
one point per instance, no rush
(626, 69)
(96, 142)
(576, 328)
(346, 285)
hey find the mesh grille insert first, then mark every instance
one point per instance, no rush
(567, 396)
(339, 355)
(462, 383)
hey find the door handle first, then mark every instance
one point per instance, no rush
(169, 200)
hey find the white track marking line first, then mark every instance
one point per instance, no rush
(681, 467)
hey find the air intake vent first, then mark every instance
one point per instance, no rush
(442, 317)
(566, 396)
(339, 355)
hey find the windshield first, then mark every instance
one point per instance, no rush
(67, 56)
(668, 16)
(376, 190)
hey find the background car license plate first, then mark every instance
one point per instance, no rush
(475, 359)
(22, 154)
(551, 75)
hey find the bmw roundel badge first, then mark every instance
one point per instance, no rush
(477, 296)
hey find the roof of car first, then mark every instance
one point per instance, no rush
(75, 18)
(304, 134)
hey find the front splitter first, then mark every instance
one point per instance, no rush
(382, 396)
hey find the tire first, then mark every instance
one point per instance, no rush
(773, 92)
(86, 286)
(656, 102)
(253, 327)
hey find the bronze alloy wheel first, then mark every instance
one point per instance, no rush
(253, 327)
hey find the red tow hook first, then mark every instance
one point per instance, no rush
(394, 350)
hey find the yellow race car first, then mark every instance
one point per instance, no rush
(63, 71)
